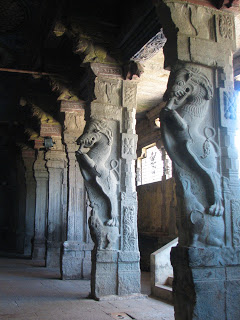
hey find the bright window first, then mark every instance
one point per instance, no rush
(153, 165)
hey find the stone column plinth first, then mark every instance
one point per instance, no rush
(28, 159)
(206, 277)
(198, 125)
(76, 258)
(106, 156)
(41, 177)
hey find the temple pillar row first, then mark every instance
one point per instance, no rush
(198, 125)
(94, 233)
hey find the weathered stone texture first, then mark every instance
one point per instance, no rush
(56, 228)
(76, 258)
(29, 158)
(204, 277)
(41, 177)
(106, 157)
(157, 215)
(198, 124)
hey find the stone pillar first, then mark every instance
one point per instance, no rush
(76, 258)
(21, 203)
(106, 157)
(57, 191)
(198, 124)
(41, 177)
(28, 156)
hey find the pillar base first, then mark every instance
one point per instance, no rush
(28, 245)
(20, 237)
(39, 250)
(53, 254)
(206, 283)
(76, 260)
(115, 274)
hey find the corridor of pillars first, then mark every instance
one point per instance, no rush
(76, 195)
(77, 200)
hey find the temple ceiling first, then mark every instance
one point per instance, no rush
(45, 47)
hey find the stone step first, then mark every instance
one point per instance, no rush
(163, 292)
(169, 281)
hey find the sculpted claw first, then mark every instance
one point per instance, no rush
(112, 222)
(216, 209)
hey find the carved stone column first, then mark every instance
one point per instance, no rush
(41, 177)
(57, 194)
(198, 124)
(76, 258)
(106, 157)
(28, 156)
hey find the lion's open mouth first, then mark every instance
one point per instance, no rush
(87, 142)
(180, 96)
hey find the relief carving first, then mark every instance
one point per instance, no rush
(100, 173)
(129, 142)
(226, 27)
(235, 206)
(189, 143)
(151, 47)
(129, 229)
(73, 122)
(108, 91)
(230, 105)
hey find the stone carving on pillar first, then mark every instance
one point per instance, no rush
(101, 182)
(129, 229)
(106, 157)
(206, 261)
(190, 143)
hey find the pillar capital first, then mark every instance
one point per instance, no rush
(196, 33)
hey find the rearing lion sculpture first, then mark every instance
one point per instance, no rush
(189, 142)
(100, 180)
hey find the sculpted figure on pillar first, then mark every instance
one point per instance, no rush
(189, 140)
(101, 181)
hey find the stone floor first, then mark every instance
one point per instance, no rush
(31, 292)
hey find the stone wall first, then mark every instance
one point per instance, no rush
(157, 212)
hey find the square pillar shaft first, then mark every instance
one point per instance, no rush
(28, 159)
(198, 126)
(106, 158)
(57, 194)
(41, 177)
(76, 258)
